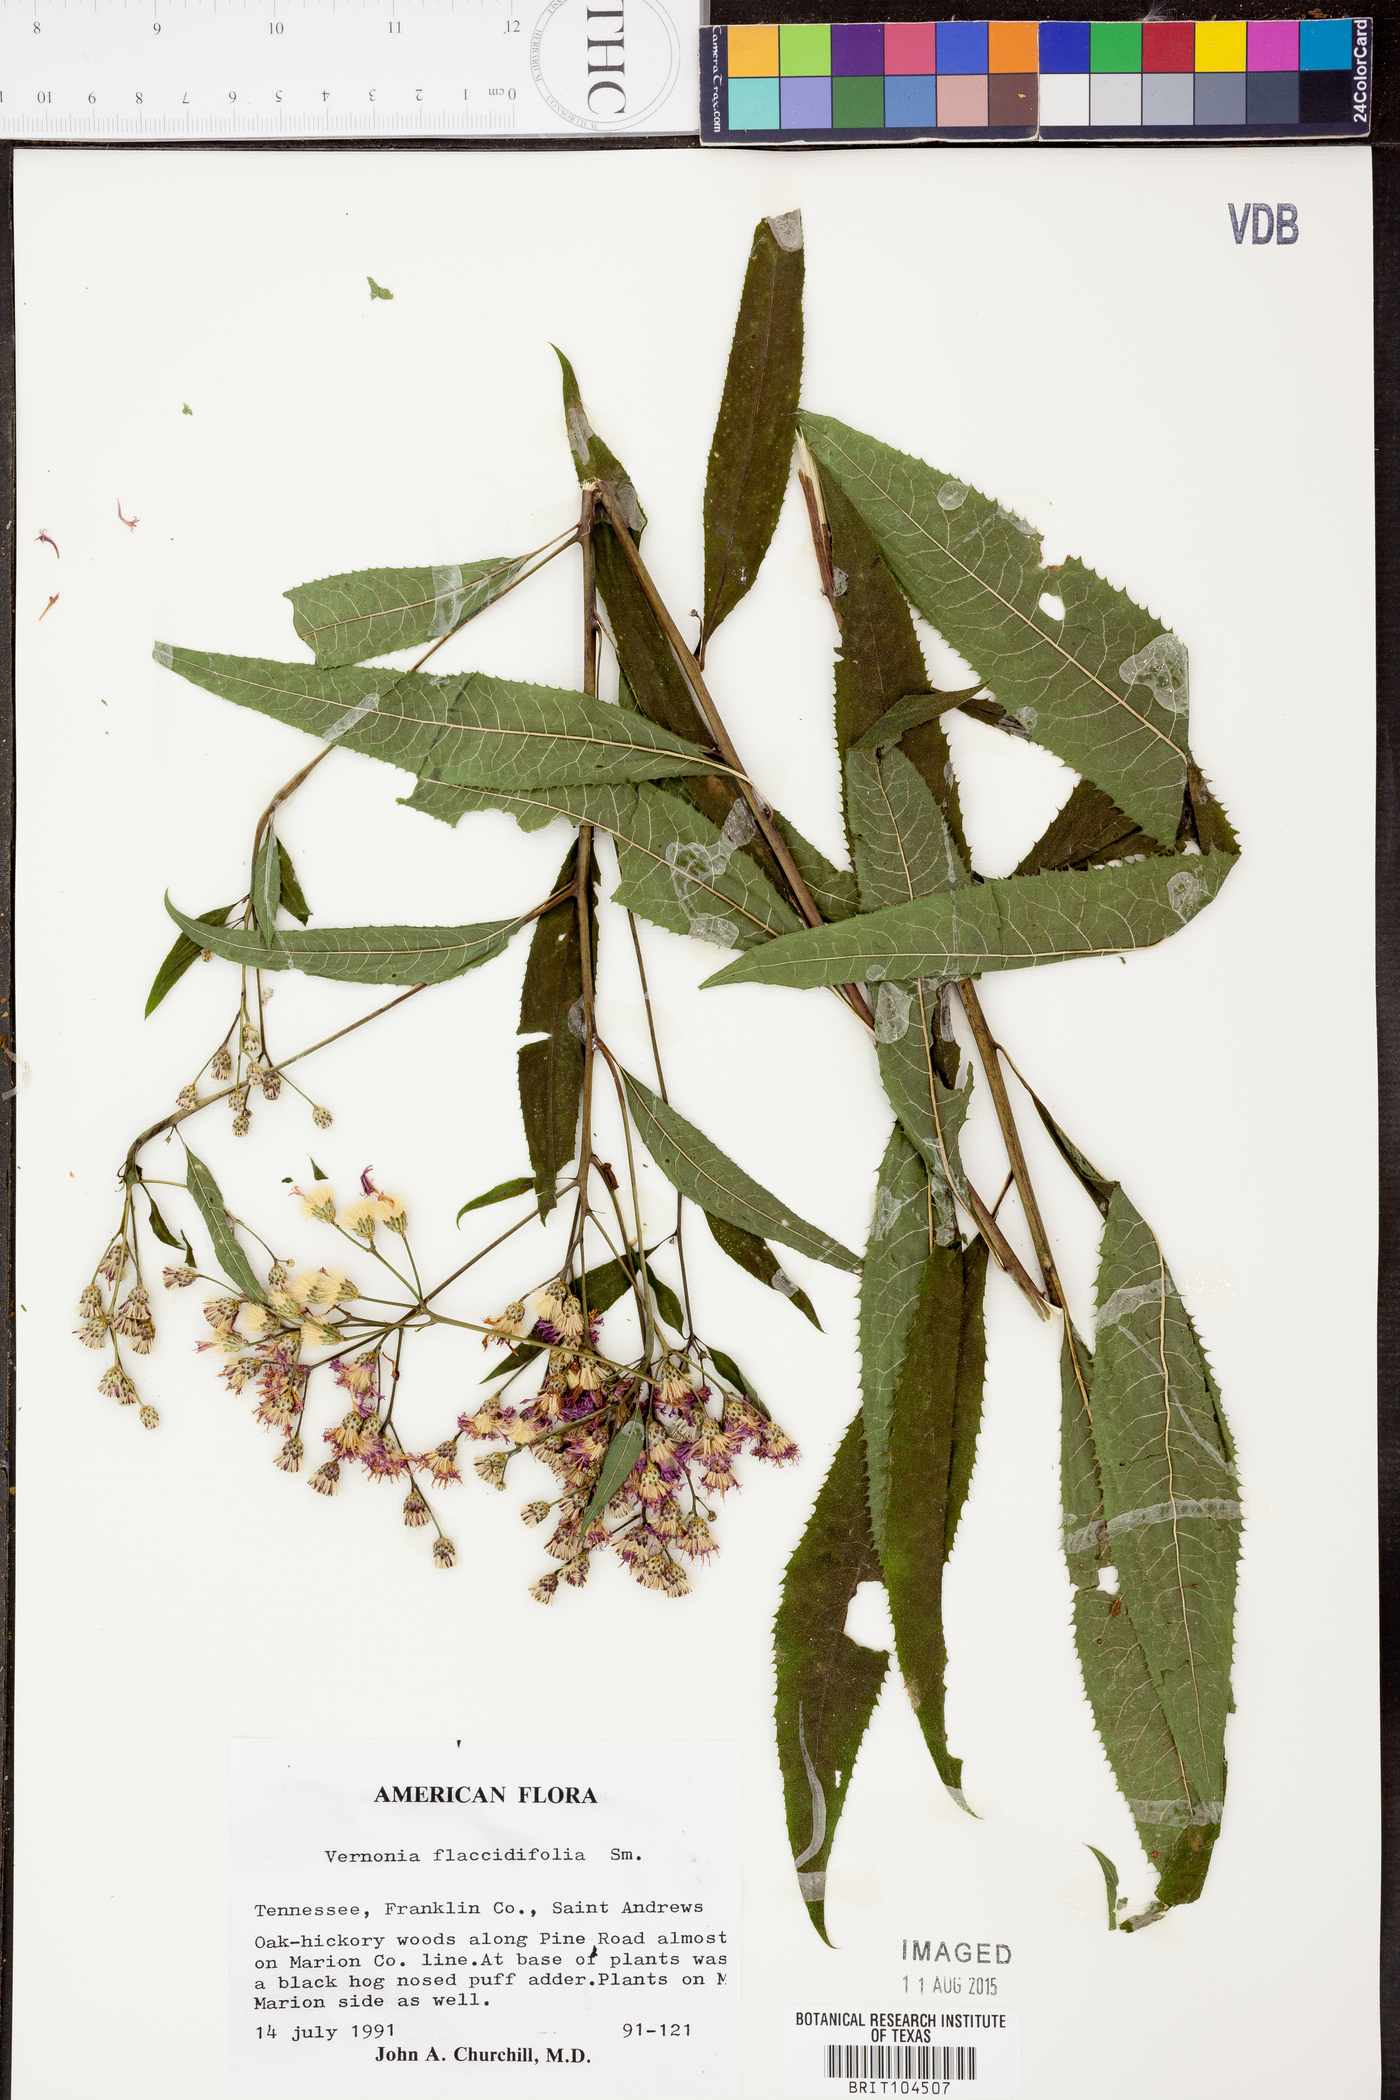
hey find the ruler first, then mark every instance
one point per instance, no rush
(195, 70)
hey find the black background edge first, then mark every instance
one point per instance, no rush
(1385, 143)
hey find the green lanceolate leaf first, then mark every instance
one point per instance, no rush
(677, 868)
(1091, 827)
(371, 612)
(834, 890)
(932, 1113)
(903, 847)
(1110, 1883)
(471, 729)
(752, 445)
(1104, 687)
(758, 1258)
(364, 954)
(293, 900)
(618, 1460)
(880, 663)
(680, 871)
(227, 1253)
(1176, 1831)
(593, 460)
(1096, 1186)
(267, 886)
(1171, 1499)
(727, 1368)
(1017, 924)
(697, 1167)
(186, 950)
(501, 1193)
(827, 1683)
(896, 1253)
(967, 1396)
(914, 1544)
(159, 1227)
(551, 1005)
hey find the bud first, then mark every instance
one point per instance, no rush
(415, 1510)
(576, 1574)
(543, 1590)
(271, 1085)
(242, 1123)
(90, 1303)
(277, 1276)
(93, 1333)
(133, 1316)
(249, 1039)
(444, 1553)
(288, 1459)
(149, 1418)
(115, 1385)
(326, 1479)
(221, 1312)
(674, 1581)
(188, 1097)
(221, 1064)
(178, 1279)
(534, 1513)
(492, 1468)
(323, 1120)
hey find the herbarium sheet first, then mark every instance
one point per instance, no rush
(696, 1096)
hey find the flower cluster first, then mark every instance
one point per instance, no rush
(662, 1439)
(105, 1319)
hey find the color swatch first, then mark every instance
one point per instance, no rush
(852, 81)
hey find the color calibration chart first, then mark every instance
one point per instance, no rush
(829, 83)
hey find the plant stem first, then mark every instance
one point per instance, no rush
(583, 864)
(661, 1089)
(991, 1065)
(709, 715)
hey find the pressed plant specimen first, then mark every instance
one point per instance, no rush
(609, 1375)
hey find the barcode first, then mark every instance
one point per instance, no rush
(902, 2060)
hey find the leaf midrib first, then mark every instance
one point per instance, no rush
(384, 714)
(390, 612)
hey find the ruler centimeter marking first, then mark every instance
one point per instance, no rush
(132, 70)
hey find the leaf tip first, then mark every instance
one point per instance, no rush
(163, 653)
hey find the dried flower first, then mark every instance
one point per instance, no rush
(543, 1590)
(113, 1263)
(510, 1324)
(178, 1279)
(415, 1510)
(360, 1217)
(677, 1380)
(444, 1553)
(93, 1333)
(315, 1335)
(132, 1318)
(534, 1513)
(249, 1038)
(392, 1212)
(271, 1085)
(348, 1435)
(149, 1418)
(360, 1376)
(323, 1120)
(576, 1574)
(318, 1202)
(491, 1468)
(188, 1097)
(115, 1385)
(242, 1123)
(441, 1462)
(555, 1305)
(326, 1479)
(221, 1064)
(222, 1312)
(289, 1458)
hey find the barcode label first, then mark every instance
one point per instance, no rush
(904, 2052)
(904, 2060)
